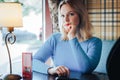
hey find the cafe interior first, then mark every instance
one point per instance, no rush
(18, 44)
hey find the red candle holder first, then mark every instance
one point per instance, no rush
(27, 65)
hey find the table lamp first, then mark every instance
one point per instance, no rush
(10, 17)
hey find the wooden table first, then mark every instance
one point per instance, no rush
(73, 76)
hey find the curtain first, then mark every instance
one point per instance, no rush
(53, 7)
(105, 18)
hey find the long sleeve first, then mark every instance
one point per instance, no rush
(87, 61)
(39, 66)
(39, 59)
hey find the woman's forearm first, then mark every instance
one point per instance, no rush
(39, 66)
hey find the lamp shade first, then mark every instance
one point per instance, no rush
(10, 14)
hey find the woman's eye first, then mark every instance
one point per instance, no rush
(71, 14)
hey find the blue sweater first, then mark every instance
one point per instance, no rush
(78, 56)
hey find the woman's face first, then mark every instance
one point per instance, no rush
(69, 17)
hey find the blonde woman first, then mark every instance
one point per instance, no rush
(74, 48)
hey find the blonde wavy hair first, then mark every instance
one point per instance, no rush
(84, 29)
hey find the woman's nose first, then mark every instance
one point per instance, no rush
(66, 18)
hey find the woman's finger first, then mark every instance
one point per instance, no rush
(67, 71)
(62, 71)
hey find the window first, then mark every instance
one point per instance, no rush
(28, 38)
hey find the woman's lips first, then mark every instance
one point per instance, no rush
(67, 25)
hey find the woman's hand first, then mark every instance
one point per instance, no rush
(60, 70)
(71, 30)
